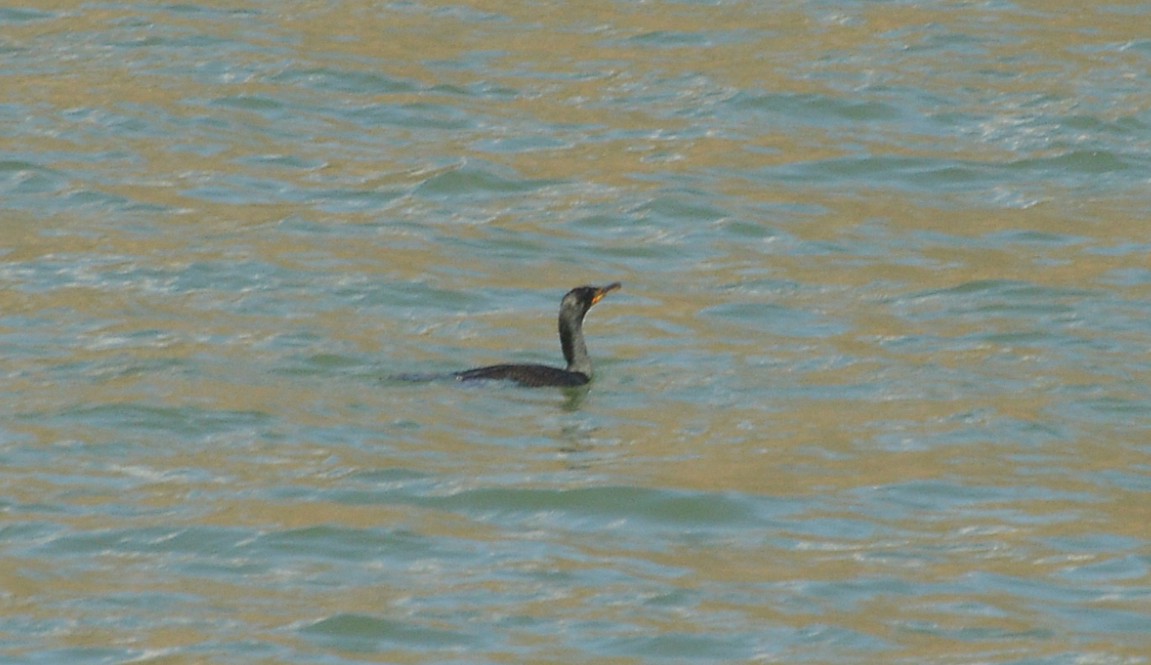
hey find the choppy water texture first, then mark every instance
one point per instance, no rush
(876, 388)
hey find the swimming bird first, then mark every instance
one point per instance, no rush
(573, 308)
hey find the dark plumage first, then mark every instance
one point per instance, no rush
(573, 308)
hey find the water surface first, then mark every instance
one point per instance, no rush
(875, 389)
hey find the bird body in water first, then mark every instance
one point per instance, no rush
(573, 308)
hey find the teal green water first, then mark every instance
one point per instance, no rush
(876, 388)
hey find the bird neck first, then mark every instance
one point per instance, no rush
(575, 350)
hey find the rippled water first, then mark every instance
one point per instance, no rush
(876, 388)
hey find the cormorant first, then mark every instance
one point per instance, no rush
(573, 307)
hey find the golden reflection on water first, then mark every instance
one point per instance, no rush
(573, 70)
